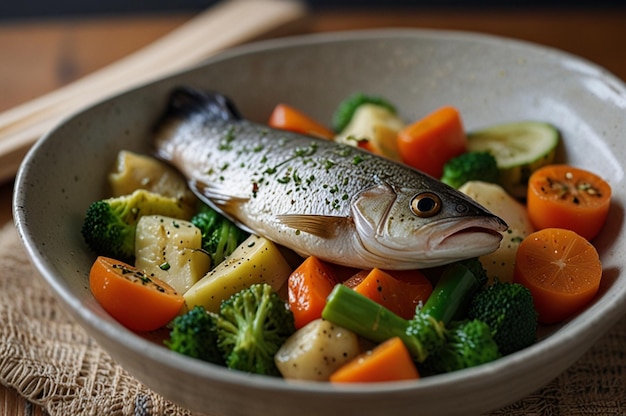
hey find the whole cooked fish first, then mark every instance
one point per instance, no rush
(317, 197)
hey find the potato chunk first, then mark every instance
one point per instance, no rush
(256, 260)
(169, 249)
(376, 124)
(501, 263)
(136, 171)
(316, 350)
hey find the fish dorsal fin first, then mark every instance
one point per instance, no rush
(185, 101)
(219, 200)
(323, 226)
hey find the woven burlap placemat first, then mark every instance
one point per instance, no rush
(48, 358)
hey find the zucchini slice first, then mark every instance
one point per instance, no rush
(520, 148)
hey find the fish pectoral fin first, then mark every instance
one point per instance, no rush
(220, 201)
(215, 196)
(323, 226)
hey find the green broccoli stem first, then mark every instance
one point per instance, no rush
(452, 293)
(351, 310)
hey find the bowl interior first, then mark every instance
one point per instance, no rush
(491, 80)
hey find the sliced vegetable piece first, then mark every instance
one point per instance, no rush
(501, 263)
(520, 148)
(138, 301)
(256, 260)
(308, 287)
(170, 249)
(286, 117)
(399, 291)
(316, 350)
(430, 142)
(137, 171)
(562, 196)
(374, 128)
(561, 269)
(346, 109)
(389, 361)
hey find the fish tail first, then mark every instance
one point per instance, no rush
(185, 102)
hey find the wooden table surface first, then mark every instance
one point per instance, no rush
(37, 56)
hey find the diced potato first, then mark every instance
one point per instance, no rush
(376, 124)
(169, 249)
(316, 350)
(135, 171)
(501, 263)
(256, 260)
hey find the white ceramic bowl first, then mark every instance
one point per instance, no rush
(489, 79)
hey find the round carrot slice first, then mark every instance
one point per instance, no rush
(561, 269)
(562, 196)
(138, 301)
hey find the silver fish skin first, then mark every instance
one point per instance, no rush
(318, 197)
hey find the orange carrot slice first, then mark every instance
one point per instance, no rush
(561, 269)
(389, 361)
(289, 118)
(562, 196)
(308, 286)
(430, 142)
(138, 301)
(398, 291)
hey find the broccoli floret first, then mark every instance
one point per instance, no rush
(220, 237)
(469, 166)
(509, 311)
(194, 334)
(348, 106)
(425, 333)
(110, 224)
(468, 343)
(252, 325)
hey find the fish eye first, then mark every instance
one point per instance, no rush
(426, 204)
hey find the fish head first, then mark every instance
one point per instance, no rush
(411, 228)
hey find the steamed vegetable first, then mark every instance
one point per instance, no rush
(286, 117)
(135, 171)
(170, 249)
(220, 237)
(251, 327)
(308, 286)
(520, 148)
(346, 109)
(374, 128)
(109, 225)
(316, 350)
(500, 264)
(428, 143)
(399, 291)
(256, 260)
(468, 343)
(509, 311)
(138, 301)
(389, 361)
(194, 334)
(563, 196)
(561, 269)
(470, 166)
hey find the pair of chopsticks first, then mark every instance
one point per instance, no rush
(226, 24)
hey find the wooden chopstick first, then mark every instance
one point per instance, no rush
(226, 24)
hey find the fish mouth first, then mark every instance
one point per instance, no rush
(472, 238)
